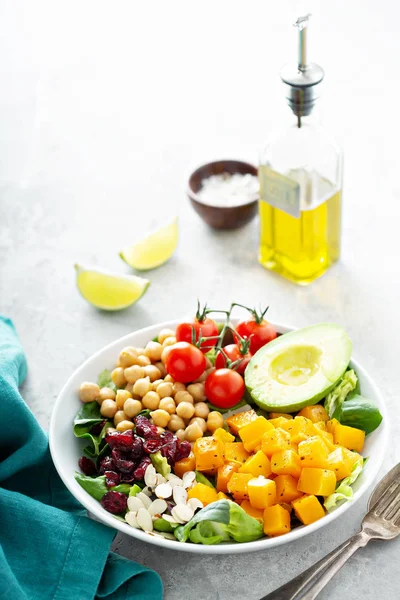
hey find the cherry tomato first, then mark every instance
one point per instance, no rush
(224, 388)
(261, 333)
(185, 362)
(233, 353)
(206, 328)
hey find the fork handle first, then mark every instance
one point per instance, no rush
(308, 584)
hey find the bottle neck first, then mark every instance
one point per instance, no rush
(302, 101)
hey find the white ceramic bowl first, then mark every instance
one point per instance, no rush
(66, 449)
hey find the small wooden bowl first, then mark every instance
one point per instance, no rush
(222, 217)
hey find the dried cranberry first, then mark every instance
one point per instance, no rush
(137, 448)
(128, 477)
(87, 466)
(122, 463)
(183, 450)
(106, 464)
(114, 502)
(122, 440)
(152, 445)
(167, 436)
(141, 469)
(145, 429)
(169, 451)
(97, 429)
(112, 478)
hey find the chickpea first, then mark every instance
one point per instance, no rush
(129, 387)
(167, 404)
(160, 417)
(151, 400)
(127, 357)
(183, 396)
(108, 408)
(153, 351)
(155, 384)
(161, 367)
(119, 416)
(143, 360)
(197, 391)
(168, 378)
(214, 421)
(176, 423)
(164, 334)
(185, 410)
(152, 372)
(121, 397)
(133, 373)
(201, 410)
(88, 392)
(165, 389)
(106, 394)
(142, 386)
(178, 387)
(165, 354)
(125, 425)
(132, 407)
(160, 430)
(169, 341)
(141, 351)
(118, 377)
(193, 432)
(202, 378)
(180, 434)
(202, 423)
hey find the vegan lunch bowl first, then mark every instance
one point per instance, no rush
(220, 437)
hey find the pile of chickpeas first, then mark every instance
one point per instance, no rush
(143, 383)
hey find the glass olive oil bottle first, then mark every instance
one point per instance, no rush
(300, 176)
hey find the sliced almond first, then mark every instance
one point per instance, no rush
(131, 519)
(170, 519)
(194, 504)
(135, 503)
(160, 479)
(144, 520)
(157, 507)
(150, 476)
(163, 491)
(179, 494)
(188, 478)
(148, 492)
(144, 498)
(183, 512)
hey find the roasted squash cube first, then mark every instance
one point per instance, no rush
(349, 437)
(331, 424)
(240, 419)
(313, 452)
(340, 463)
(223, 435)
(314, 413)
(274, 441)
(251, 434)
(286, 462)
(258, 464)
(276, 520)
(320, 482)
(278, 421)
(209, 453)
(224, 474)
(251, 511)
(235, 452)
(299, 429)
(184, 465)
(276, 415)
(238, 486)
(262, 492)
(222, 496)
(286, 488)
(308, 509)
(204, 493)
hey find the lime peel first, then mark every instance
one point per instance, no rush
(153, 250)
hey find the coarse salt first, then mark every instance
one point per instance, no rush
(228, 190)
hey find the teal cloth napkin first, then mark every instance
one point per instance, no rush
(49, 548)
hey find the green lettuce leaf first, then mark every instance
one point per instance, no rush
(242, 527)
(96, 486)
(337, 396)
(216, 511)
(344, 491)
(209, 532)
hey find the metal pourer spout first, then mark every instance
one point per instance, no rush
(302, 81)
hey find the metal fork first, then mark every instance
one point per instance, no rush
(382, 522)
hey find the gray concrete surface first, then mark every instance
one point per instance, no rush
(104, 110)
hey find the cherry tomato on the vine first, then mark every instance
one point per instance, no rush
(224, 388)
(205, 328)
(261, 333)
(233, 353)
(185, 362)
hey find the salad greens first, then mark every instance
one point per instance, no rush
(337, 396)
(85, 420)
(160, 464)
(200, 478)
(104, 380)
(344, 491)
(96, 486)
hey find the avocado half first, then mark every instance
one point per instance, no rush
(298, 368)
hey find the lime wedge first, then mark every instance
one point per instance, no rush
(153, 250)
(109, 291)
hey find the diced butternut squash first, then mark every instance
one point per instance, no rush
(275, 415)
(238, 486)
(340, 463)
(277, 422)
(314, 413)
(286, 488)
(299, 429)
(251, 511)
(353, 456)
(257, 464)
(235, 452)
(222, 496)
(251, 434)
(262, 492)
(331, 424)
(308, 509)
(240, 419)
(319, 482)
(286, 462)
(327, 438)
(224, 474)
(184, 465)
(349, 437)
(209, 453)
(313, 452)
(274, 441)
(223, 435)
(320, 425)
(276, 520)
(286, 506)
(204, 493)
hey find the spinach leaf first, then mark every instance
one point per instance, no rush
(85, 420)
(104, 380)
(96, 486)
(209, 532)
(216, 511)
(89, 413)
(359, 412)
(242, 527)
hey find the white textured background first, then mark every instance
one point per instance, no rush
(105, 107)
